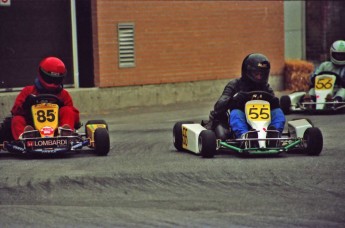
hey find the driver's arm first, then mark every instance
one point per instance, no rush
(222, 105)
(318, 70)
(18, 108)
(66, 98)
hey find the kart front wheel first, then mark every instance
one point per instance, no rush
(177, 135)
(313, 141)
(207, 144)
(285, 104)
(102, 141)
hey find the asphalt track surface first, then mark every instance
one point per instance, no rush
(145, 182)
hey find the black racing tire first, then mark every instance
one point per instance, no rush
(102, 141)
(313, 141)
(207, 144)
(222, 131)
(5, 130)
(95, 122)
(285, 104)
(177, 134)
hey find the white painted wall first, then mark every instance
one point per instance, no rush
(294, 26)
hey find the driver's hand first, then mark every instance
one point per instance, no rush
(29, 101)
(238, 101)
(274, 103)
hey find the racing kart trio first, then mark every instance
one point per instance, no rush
(45, 109)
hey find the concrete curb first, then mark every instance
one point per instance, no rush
(95, 100)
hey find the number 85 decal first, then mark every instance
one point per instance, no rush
(43, 116)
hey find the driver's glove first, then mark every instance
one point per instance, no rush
(238, 101)
(274, 103)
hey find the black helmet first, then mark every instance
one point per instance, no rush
(256, 68)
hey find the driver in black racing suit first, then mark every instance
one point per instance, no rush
(255, 73)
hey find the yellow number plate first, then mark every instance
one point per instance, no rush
(323, 83)
(258, 112)
(45, 115)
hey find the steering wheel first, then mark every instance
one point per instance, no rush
(260, 95)
(239, 99)
(43, 98)
(328, 72)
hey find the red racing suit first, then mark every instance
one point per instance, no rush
(68, 114)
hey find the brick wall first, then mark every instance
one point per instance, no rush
(179, 41)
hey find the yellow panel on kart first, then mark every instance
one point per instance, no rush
(46, 118)
(324, 82)
(91, 128)
(258, 110)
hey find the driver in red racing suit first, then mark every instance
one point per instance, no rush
(51, 72)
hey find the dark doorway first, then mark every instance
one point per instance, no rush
(85, 51)
(324, 25)
(29, 31)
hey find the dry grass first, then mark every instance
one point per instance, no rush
(297, 74)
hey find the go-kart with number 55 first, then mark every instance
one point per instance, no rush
(260, 140)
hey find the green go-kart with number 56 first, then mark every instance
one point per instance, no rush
(324, 100)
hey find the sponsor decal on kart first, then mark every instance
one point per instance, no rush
(47, 131)
(184, 137)
(41, 143)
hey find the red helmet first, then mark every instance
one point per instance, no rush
(51, 72)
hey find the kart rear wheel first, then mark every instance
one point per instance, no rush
(313, 141)
(285, 104)
(102, 141)
(177, 134)
(207, 144)
(5, 130)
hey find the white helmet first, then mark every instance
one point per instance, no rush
(337, 52)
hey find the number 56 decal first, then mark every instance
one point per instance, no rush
(258, 112)
(324, 82)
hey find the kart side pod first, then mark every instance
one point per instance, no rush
(298, 127)
(186, 136)
(190, 137)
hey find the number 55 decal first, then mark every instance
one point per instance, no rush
(258, 112)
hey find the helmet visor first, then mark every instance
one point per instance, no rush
(52, 77)
(339, 56)
(259, 75)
